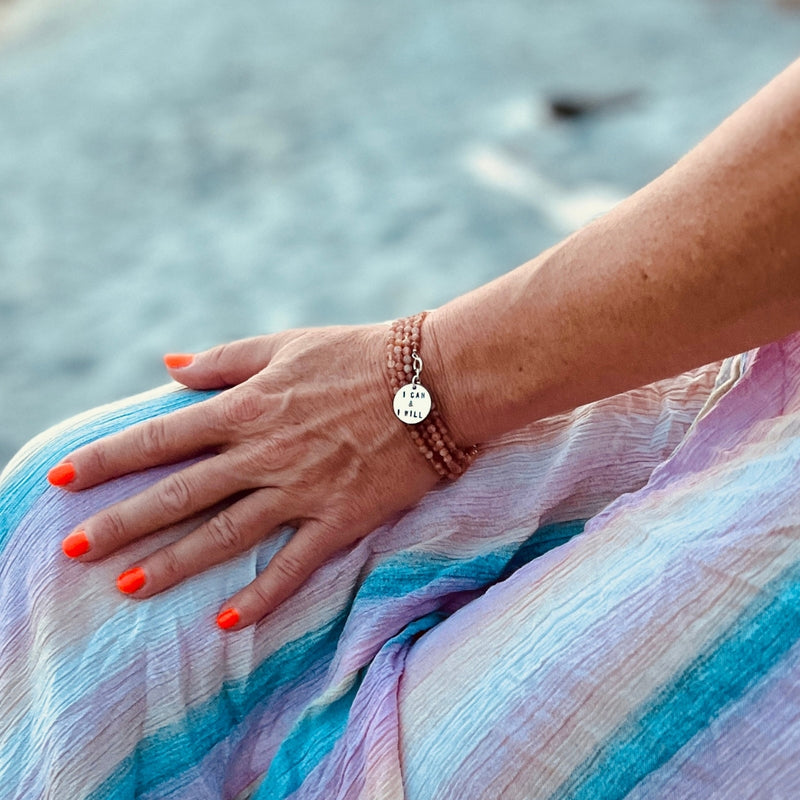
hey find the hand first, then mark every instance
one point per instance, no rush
(305, 436)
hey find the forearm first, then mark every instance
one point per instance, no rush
(702, 263)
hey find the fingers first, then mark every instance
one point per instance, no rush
(180, 434)
(225, 365)
(232, 531)
(289, 569)
(162, 440)
(277, 425)
(179, 496)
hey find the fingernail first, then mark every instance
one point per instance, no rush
(131, 580)
(228, 618)
(62, 474)
(76, 544)
(178, 360)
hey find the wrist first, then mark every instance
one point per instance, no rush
(414, 400)
(449, 390)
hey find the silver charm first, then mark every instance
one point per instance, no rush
(412, 402)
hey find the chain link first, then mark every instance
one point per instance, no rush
(416, 360)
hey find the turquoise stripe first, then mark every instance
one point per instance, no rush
(543, 539)
(21, 489)
(683, 708)
(179, 747)
(319, 729)
(408, 572)
(312, 738)
(317, 733)
(176, 748)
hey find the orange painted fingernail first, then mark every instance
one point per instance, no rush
(228, 618)
(178, 360)
(131, 580)
(76, 544)
(62, 474)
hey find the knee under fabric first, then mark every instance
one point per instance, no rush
(602, 606)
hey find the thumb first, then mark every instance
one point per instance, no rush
(224, 365)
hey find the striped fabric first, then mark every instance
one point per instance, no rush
(606, 605)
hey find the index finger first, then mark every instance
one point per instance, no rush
(166, 439)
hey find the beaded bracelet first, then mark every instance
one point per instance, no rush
(413, 403)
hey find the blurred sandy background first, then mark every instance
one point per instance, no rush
(176, 174)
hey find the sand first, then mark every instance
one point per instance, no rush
(177, 174)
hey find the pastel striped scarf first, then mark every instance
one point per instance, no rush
(588, 613)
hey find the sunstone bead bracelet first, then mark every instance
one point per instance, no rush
(414, 405)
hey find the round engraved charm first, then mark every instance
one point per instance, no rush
(412, 403)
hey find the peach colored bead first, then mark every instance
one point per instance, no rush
(432, 438)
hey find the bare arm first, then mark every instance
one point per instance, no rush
(702, 263)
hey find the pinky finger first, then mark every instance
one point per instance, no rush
(289, 569)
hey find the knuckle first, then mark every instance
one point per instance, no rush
(95, 459)
(281, 449)
(170, 566)
(241, 407)
(289, 568)
(257, 460)
(224, 533)
(175, 495)
(338, 519)
(111, 526)
(152, 438)
(264, 598)
(214, 360)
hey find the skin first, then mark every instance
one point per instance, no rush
(702, 263)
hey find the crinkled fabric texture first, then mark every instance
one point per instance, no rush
(606, 605)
